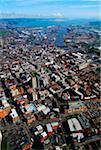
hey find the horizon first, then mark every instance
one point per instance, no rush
(52, 18)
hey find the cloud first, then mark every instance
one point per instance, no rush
(58, 14)
(91, 0)
(16, 15)
(84, 6)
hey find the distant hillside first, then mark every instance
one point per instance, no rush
(96, 24)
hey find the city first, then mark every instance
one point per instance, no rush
(50, 96)
(50, 74)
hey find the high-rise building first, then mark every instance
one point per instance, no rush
(34, 82)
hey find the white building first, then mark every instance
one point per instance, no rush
(74, 126)
(34, 82)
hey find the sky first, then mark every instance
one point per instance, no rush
(50, 9)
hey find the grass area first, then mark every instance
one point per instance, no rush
(4, 144)
(3, 33)
(72, 116)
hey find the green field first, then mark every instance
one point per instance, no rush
(5, 145)
(3, 33)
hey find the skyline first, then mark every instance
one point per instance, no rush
(50, 9)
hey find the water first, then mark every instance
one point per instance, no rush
(60, 37)
(39, 22)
